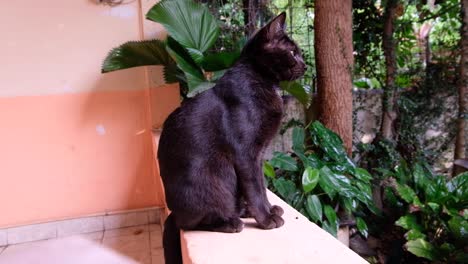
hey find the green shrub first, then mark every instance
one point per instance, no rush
(320, 180)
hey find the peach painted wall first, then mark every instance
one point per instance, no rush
(74, 142)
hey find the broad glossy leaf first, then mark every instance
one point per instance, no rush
(268, 170)
(421, 248)
(459, 186)
(283, 161)
(135, 54)
(314, 161)
(188, 22)
(402, 172)
(172, 72)
(184, 62)
(314, 208)
(365, 189)
(414, 234)
(406, 193)
(362, 174)
(298, 137)
(330, 228)
(349, 204)
(310, 178)
(197, 86)
(408, 222)
(391, 198)
(297, 200)
(331, 144)
(459, 227)
(420, 178)
(362, 226)
(436, 190)
(217, 74)
(327, 182)
(285, 188)
(196, 55)
(330, 214)
(434, 206)
(297, 90)
(220, 61)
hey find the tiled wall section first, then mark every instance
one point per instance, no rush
(22, 234)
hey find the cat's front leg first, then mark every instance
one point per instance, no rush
(254, 192)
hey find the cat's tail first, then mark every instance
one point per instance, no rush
(171, 241)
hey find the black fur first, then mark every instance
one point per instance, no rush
(211, 148)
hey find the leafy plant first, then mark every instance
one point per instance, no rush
(320, 180)
(192, 32)
(435, 212)
(186, 54)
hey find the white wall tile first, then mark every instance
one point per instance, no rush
(80, 226)
(124, 220)
(154, 216)
(3, 237)
(29, 233)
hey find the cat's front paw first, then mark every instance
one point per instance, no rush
(272, 221)
(276, 210)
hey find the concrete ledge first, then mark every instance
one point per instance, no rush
(298, 241)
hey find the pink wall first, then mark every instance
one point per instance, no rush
(75, 142)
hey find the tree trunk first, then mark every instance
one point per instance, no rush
(334, 63)
(460, 144)
(250, 8)
(389, 96)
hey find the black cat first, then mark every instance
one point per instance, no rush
(211, 148)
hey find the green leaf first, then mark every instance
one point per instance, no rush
(197, 86)
(414, 234)
(406, 193)
(391, 198)
(420, 178)
(196, 55)
(297, 90)
(314, 208)
(283, 161)
(171, 73)
(434, 206)
(364, 190)
(330, 214)
(362, 226)
(195, 79)
(362, 174)
(188, 22)
(331, 144)
(184, 60)
(330, 228)
(220, 61)
(310, 178)
(421, 248)
(436, 190)
(298, 137)
(135, 54)
(459, 186)
(327, 182)
(268, 170)
(349, 204)
(314, 161)
(285, 188)
(408, 222)
(459, 227)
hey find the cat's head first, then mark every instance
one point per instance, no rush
(274, 53)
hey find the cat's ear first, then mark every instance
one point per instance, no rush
(276, 26)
